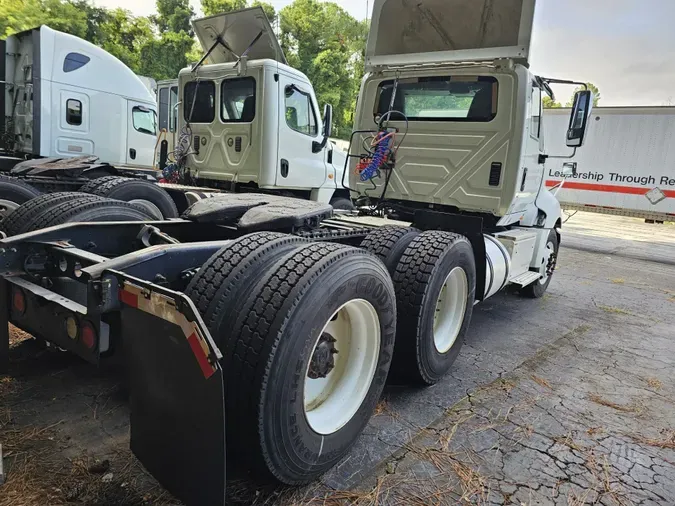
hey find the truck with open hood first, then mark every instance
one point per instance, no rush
(263, 327)
(242, 119)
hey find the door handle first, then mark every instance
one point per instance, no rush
(132, 153)
(284, 168)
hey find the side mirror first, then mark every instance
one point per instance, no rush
(327, 120)
(327, 129)
(581, 112)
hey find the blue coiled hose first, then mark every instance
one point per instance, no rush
(379, 157)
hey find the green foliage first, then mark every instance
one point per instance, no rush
(327, 44)
(173, 16)
(551, 104)
(163, 58)
(156, 46)
(124, 37)
(593, 88)
(269, 10)
(213, 7)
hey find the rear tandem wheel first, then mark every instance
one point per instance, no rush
(435, 292)
(307, 340)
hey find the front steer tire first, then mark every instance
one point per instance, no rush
(276, 332)
(420, 277)
(537, 289)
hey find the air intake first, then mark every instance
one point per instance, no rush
(495, 174)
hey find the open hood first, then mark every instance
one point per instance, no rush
(407, 32)
(238, 31)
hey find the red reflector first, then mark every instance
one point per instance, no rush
(18, 300)
(88, 335)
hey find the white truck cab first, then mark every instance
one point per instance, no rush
(247, 120)
(65, 97)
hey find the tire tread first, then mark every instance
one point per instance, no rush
(251, 360)
(411, 278)
(63, 212)
(27, 212)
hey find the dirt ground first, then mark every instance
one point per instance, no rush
(567, 400)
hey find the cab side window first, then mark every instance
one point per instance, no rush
(200, 102)
(164, 109)
(535, 122)
(73, 112)
(299, 111)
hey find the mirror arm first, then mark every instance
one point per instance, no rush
(550, 80)
(561, 157)
(318, 146)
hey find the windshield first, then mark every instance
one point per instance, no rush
(442, 98)
(144, 120)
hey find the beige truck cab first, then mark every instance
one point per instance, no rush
(448, 89)
(243, 120)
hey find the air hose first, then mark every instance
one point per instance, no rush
(383, 143)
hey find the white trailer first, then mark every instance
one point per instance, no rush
(627, 166)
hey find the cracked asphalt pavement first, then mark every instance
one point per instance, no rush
(566, 400)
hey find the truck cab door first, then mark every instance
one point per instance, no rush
(531, 174)
(141, 134)
(167, 100)
(299, 127)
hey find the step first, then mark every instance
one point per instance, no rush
(527, 278)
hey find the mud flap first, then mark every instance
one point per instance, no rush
(176, 383)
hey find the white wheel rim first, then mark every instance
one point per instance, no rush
(550, 250)
(331, 402)
(6, 208)
(149, 207)
(450, 310)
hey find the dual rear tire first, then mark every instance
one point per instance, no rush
(434, 276)
(307, 335)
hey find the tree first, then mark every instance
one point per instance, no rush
(327, 44)
(593, 88)
(269, 9)
(549, 103)
(123, 36)
(174, 16)
(163, 58)
(213, 7)
(166, 56)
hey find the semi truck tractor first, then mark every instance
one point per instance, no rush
(247, 121)
(64, 97)
(260, 329)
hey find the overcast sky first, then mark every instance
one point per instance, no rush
(625, 47)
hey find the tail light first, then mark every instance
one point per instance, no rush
(18, 300)
(88, 334)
